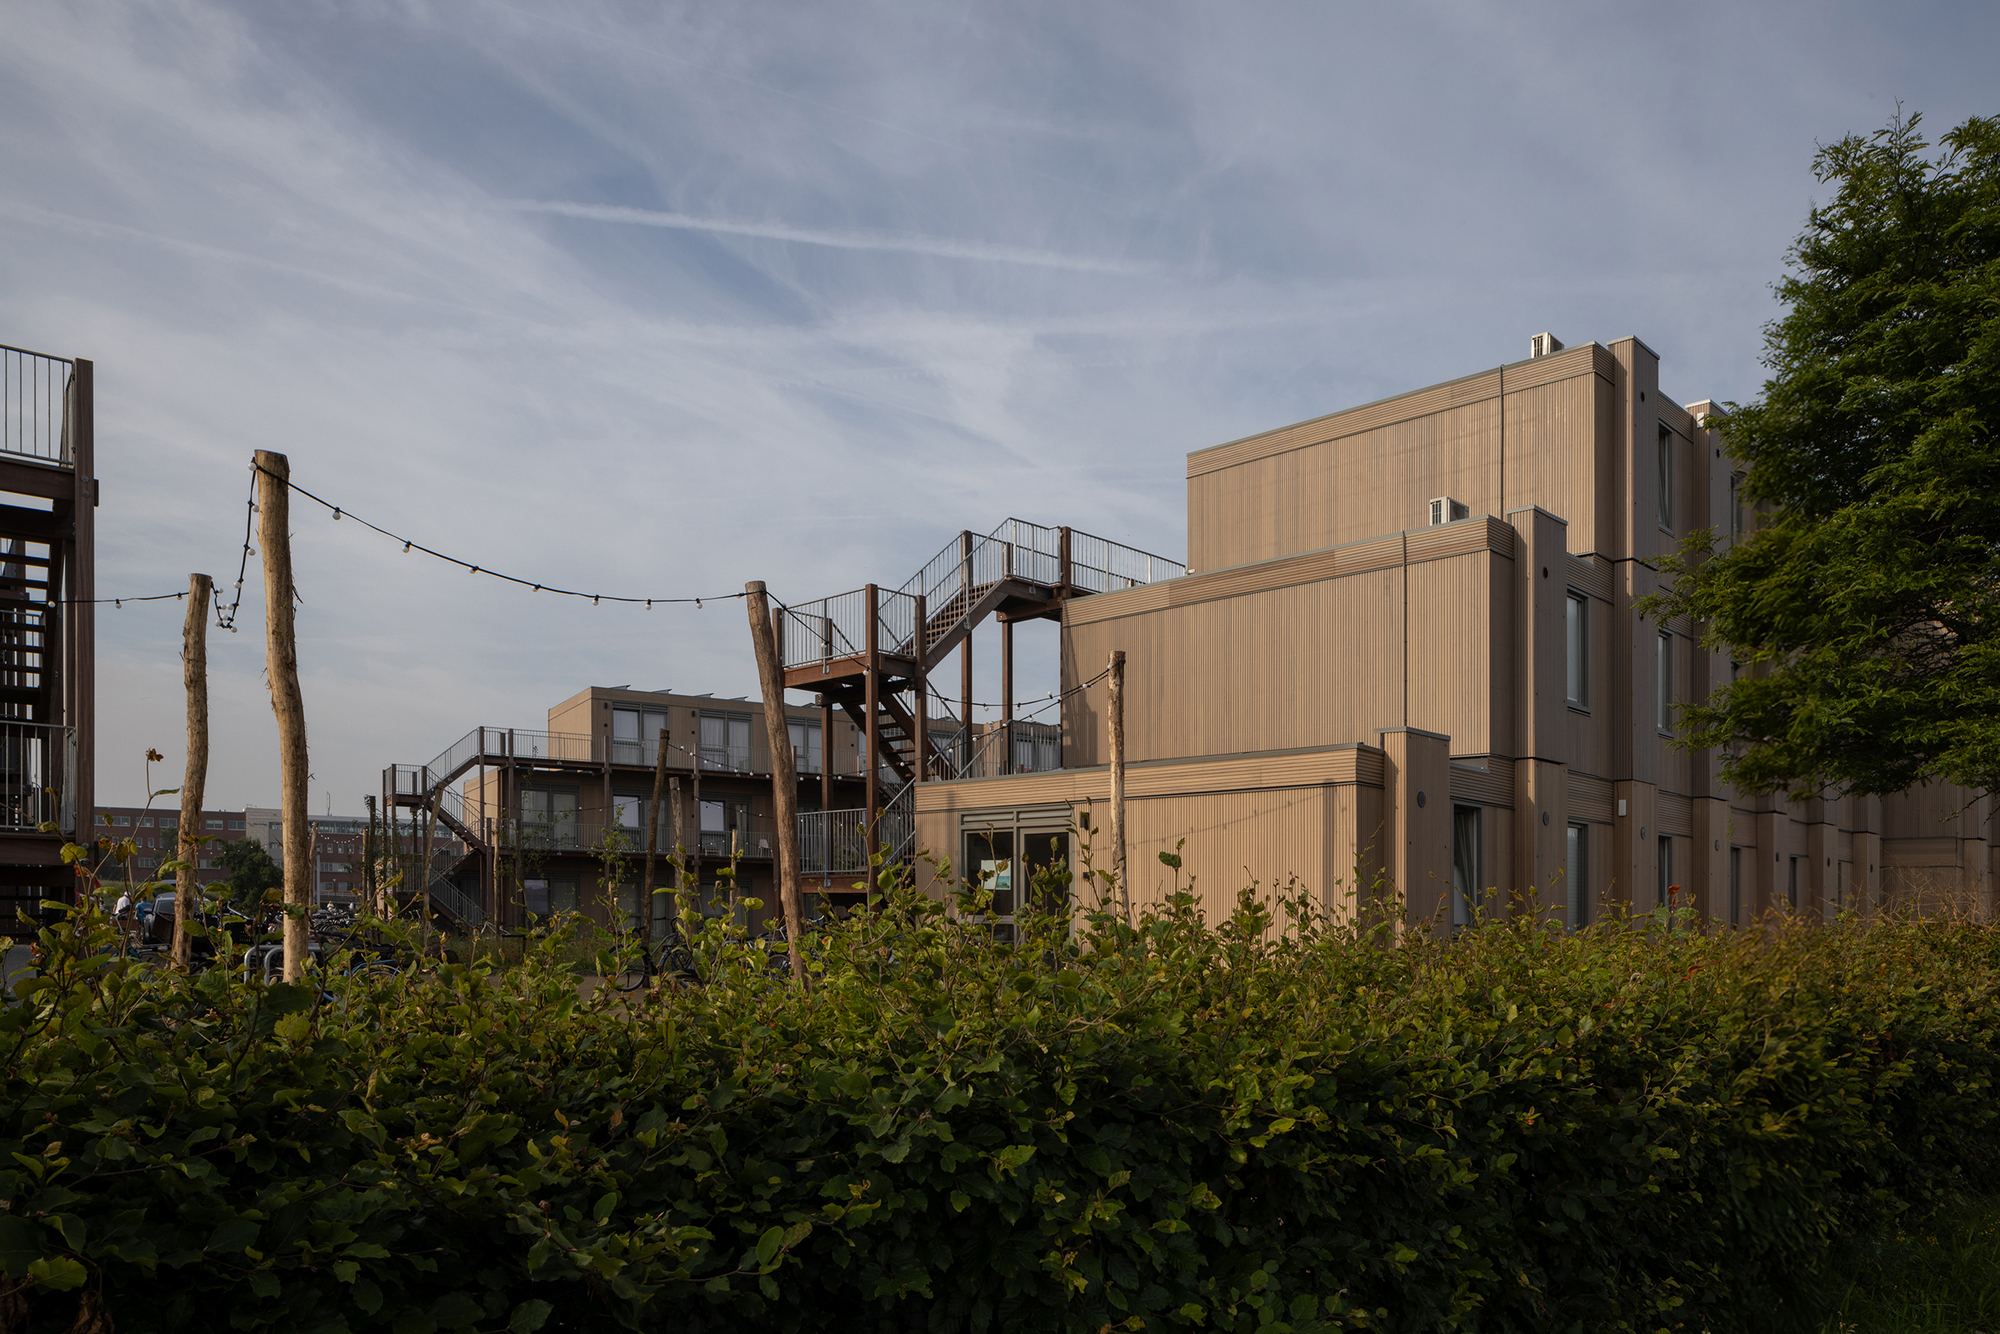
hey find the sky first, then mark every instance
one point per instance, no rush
(651, 300)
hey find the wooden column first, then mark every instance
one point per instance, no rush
(194, 671)
(1007, 696)
(871, 677)
(921, 684)
(1117, 712)
(825, 754)
(282, 665)
(784, 773)
(82, 684)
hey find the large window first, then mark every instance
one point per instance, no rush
(989, 866)
(1666, 655)
(635, 735)
(1667, 885)
(1579, 649)
(548, 817)
(1736, 886)
(1576, 876)
(1466, 877)
(1736, 507)
(1666, 478)
(725, 742)
(808, 747)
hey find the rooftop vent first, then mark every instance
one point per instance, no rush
(1446, 510)
(1544, 345)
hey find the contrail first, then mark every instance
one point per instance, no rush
(901, 242)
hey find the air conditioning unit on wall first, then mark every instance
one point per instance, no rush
(1446, 510)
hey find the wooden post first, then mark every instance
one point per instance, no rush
(871, 691)
(923, 694)
(825, 754)
(695, 783)
(679, 858)
(1117, 712)
(1007, 696)
(370, 846)
(194, 669)
(281, 662)
(652, 840)
(82, 622)
(784, 772)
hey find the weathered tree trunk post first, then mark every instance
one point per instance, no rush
(281, 661)
(679, 858)
(784, 774)
(369, 848)
(1117, 712)
(194, 669)
(653, 812)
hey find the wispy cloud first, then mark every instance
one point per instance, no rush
(906, 243)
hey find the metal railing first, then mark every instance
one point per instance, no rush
(35, 761)
(462, 907)
(836, 842)
(34, 405)
(837, 627)
(1103, 566)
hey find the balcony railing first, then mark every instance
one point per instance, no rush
(35, 762)
(836, 842)
(34, 405)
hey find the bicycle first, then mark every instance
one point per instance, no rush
(672, 959)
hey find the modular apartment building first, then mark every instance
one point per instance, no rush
(1405, 655)
(547, 817)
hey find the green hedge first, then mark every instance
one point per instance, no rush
(1218, 1126)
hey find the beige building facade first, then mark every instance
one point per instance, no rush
(1405, 656)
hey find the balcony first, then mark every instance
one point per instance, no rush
(35, 759)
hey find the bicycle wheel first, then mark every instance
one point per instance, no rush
(634, 969)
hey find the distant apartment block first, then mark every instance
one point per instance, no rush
(538, 813)
(340, 849)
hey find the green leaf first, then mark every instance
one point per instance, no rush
(768, 1245)
(18, 1245)
(57, 1272)
(1013, 1156)
(529, 1316)
(367, 1296)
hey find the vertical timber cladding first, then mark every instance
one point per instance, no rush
(1276, 493)
(1307, 821)
(1303, 651)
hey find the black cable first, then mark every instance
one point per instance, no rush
(243, 565)
(409, 544)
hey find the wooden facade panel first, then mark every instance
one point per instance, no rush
(1591, 575)
(1309, 665)
(1126, 602)
(1227, 841)
(1552, 452)
(1675, 814)
(1590, 799)
(1461, 653)
(1483, 787)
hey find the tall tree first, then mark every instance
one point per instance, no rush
(1864, 604)
(251, 872)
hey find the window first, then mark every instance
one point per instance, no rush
(1736, 507)
(121, 821)
(989, 857)
(725, 742)
(1792, 884)
(1666, 655)
(1736, 886)
(1579, 648)
(807, 751)
(145, 822)
(1465, 872)
(235, 824)
(211, 824)
(1667, 886)
(635, 735)
(548, 817)
(1666, 478)
(720, 819)
(1576, 876)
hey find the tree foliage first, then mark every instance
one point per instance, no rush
(251, 872)
(1176, 1125)
(1865, 606)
